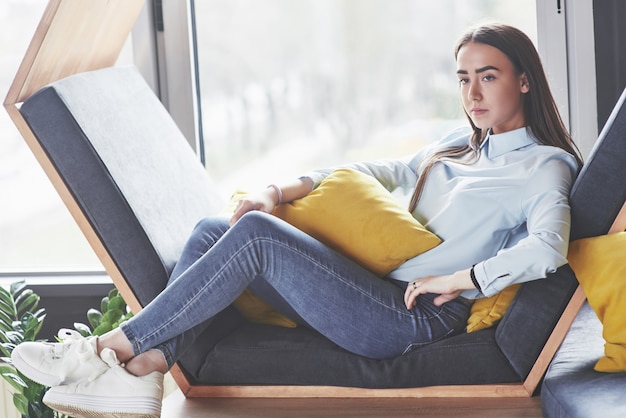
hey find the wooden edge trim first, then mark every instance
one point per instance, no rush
(554, 341)
(71, 204)
(99, 29)
(455, 391)
(31, 52)
(181, 379)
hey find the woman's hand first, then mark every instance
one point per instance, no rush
(264, 201)
(447, 287)
(272, 196)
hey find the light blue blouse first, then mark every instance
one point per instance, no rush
(508, 212)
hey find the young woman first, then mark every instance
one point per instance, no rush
(497, 194)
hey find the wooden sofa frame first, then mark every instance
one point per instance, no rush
(61, 48)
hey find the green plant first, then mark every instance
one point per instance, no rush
(113, 311)
(20, 321)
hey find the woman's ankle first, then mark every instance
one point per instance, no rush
(116, 341)
(146, 363)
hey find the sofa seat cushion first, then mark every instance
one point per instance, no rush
(264, 354)
(571, 387)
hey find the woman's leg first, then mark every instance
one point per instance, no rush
(344, 302)
(202, 238)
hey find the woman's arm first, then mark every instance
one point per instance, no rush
(272, 196)
(545, 205)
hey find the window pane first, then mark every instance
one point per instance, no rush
(291, 85)
(37, 232)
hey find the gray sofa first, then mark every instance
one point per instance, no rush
(571, 387)
(142, 190)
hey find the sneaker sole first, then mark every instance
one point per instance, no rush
(32, 373)
(103, 407)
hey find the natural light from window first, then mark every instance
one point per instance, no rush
(287, 86)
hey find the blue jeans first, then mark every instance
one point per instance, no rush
(299, 276)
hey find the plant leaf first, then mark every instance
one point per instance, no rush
(104, 303)
(21, 403)
(32, 327)
(5, 297)
(33, 391)
(4, 292)
(19, 297)
(5, 350)
(83, 329)
(6, 369)
(40, 313)
(40, 410)
(13, 337)
(15, 381)
(94, 316)
(27, 304)
(116, 302)
(113, 292)
(6, 322)
(17, 287)
(103, 328)
(6, 303)
(6, 360)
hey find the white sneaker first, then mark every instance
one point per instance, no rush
(53, 364)
(114, 394)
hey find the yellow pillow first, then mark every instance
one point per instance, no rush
(601, 271)
(486, 312)
(254, 309)
(354, 214)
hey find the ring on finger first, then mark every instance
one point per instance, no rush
(414, 285)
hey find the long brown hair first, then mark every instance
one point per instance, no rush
(540, 111)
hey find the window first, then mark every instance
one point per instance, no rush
(37, 232)
(289, 86)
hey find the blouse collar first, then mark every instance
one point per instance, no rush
(496, 145)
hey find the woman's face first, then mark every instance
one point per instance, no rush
(491, 91)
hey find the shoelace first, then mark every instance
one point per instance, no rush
(74, 342)
(66, 338)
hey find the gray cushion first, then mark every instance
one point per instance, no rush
(257, 354)
(571, 387)
(128, 166)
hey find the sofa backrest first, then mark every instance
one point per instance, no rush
(596, 199)
(130, 169)
(599, 194)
